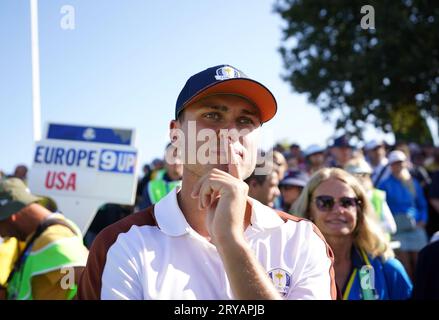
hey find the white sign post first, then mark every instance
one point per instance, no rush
(82, 168)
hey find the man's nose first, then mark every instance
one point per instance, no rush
(229, 133)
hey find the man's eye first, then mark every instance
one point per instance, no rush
(212, 115)
(245, 120)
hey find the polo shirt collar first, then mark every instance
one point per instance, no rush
(263, 217)
(171, 220)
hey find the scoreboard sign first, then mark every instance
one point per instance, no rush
(82, 168)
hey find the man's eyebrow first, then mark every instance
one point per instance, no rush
(226, 108)
(249, 112)
(217, 107)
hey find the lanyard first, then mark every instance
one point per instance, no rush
(349, 286)
(368, 294)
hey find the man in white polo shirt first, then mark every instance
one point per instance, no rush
(208, 239)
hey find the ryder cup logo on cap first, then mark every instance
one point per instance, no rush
(227, 73)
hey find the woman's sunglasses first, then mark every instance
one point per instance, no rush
(327, 203)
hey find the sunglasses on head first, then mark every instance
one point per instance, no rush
(327, 203)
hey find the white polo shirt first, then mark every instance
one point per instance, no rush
(166, 259)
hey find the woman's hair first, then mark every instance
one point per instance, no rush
(367, 234)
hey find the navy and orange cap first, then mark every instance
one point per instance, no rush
(225, 79)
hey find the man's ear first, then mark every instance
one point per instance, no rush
(13, 217)
(253, 183)
(173, 126)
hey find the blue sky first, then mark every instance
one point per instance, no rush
(126, 61)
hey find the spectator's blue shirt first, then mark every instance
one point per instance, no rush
(388, 281)
(400, 199)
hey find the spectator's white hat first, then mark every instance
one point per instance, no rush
(397, 156)
(312, 149)
(360, 167)
(372, 144)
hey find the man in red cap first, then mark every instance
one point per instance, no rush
(209, 239)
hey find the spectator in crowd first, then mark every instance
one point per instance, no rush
(376, 155)
(157, 166)
(359, 168)
(52, 243)
(165, 180)
(432, 161)
(418, 171)
(364, 265)
(279, 162)
(342, 151)
(315, 158)
(409, 208)
(20, 172)
(290, 188)
(143, 181)
(293, 163)
(263, 184)
(295, 153)
(426, 284)
(281, 166)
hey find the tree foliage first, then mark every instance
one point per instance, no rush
(387, 76)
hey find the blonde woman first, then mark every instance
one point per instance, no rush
(364, 265)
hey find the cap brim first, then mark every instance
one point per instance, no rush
(292, 182)
(11, 208)
(314, 152)
(15, 206)
(247, 88)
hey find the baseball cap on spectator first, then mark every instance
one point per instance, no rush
(372, 144)
(358, 166)
(313, 149)
(397, 156)
(342, 142)
(226, 79)
(14, 196)
(294, 178)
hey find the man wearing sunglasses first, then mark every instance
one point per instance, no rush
(209, 239)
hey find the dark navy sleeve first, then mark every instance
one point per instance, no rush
(398, 283)
(421, 203)
(427, 278)
(433, 189)
(146, 202)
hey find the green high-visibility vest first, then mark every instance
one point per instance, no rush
(62, 253)
(158, 188)
(378, 198)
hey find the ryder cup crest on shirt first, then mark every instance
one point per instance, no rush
(228, 72)
(281, 280)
